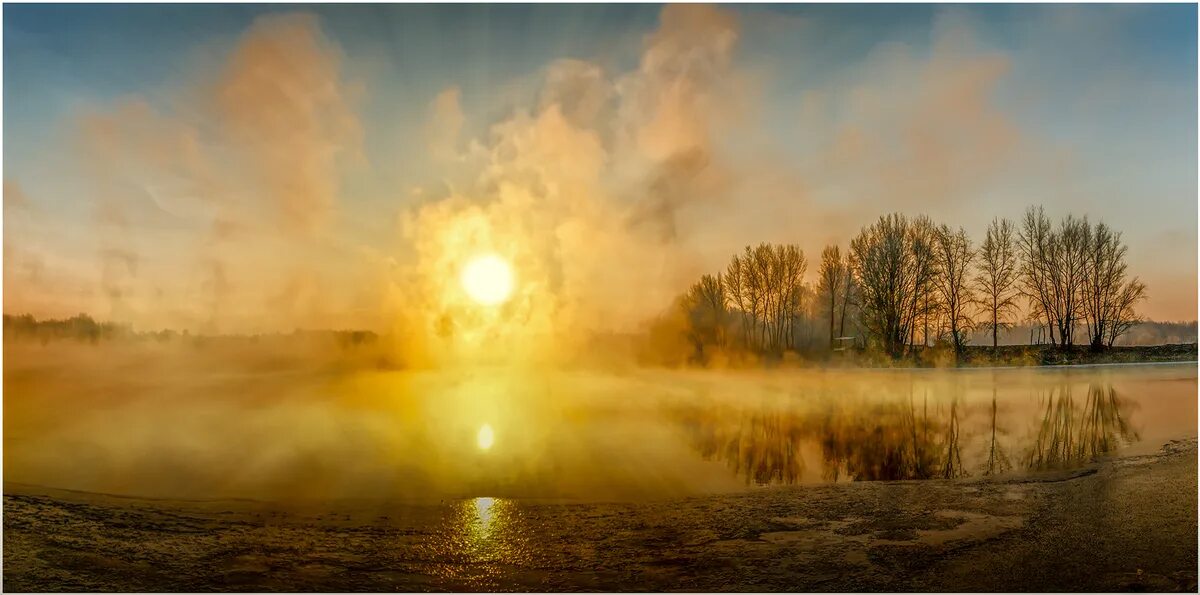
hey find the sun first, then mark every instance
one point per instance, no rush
(487, 279)
(485, 438)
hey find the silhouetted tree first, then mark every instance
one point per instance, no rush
(831, 286)
(849, 292)
(705, 305)
(902, 276)
(1131, 293)
(927, 307)
(955, 256)
(1065, 268)
(893, 273)
(764, 284)
(997, 276)
(1034, 243)
(738, 295)
(1067, 275)
(1108, 297)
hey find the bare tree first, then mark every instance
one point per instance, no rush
(893, 269)
(926, 304)
(831, 285)
(1034, 242)
(737, 295)
(849, 295)
(760, 267)
(1105, 287)
(902, 276)
(753, 282)
(997, 276)
(880, 258)
(1131, 293)
(1068, 267)
(707, 314)
(1054, 270)
(786, 266)
(955, 256)
(764, 285)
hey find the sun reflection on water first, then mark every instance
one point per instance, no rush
(489, 538)
(483, 513)
(486, 528)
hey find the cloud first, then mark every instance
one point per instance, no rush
(14, 197)
(144, 165)
(445, 124)
(581, 190)
(620, 184)
(216, 185)
(672, 102)
(284, 106)
(263, 144)
(580, 89)
(611, 188)
(918, 133)
(918, 130)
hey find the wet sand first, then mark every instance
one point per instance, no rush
(1116, 525)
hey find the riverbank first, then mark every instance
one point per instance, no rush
(977, 356)
(1091, 529)
(1054, 356)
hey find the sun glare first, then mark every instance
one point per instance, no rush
(487, 279)
(486, 437)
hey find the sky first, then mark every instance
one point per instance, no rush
(251, 168)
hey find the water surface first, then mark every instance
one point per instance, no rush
(191, 428)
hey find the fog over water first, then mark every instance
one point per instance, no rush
(193, 421)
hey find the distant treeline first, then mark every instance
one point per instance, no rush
(904, 284)
(82, 327)
(1147, 332)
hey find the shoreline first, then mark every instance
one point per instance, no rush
(1022, 356)
(1086, 529)
(1023, 367)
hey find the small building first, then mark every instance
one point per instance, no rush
(843, 343)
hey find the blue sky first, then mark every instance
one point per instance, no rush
(1093, 110)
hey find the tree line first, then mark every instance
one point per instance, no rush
(80, 327)
(83, 327)
(905, 283)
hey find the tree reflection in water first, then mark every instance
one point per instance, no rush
(915, 436)
(893, 440)
(1071, 433)
(952, 466)
(761, 445)
(997, 459)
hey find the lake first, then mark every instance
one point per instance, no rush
(165, 424)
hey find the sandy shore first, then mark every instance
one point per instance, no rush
(1119, 524)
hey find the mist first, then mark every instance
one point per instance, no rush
(244, 195)
(307, 418)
